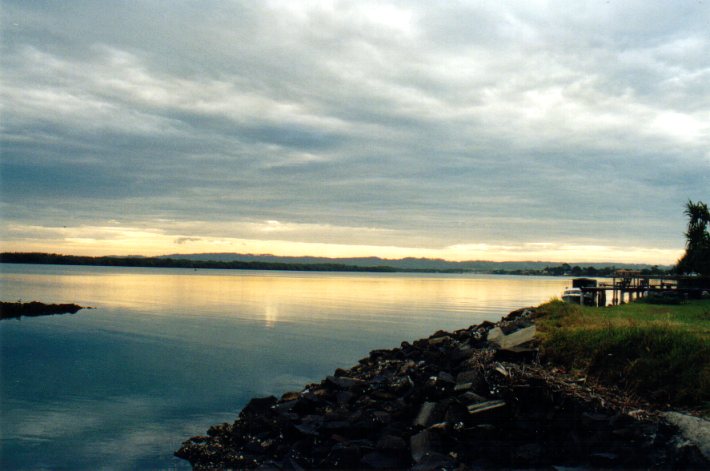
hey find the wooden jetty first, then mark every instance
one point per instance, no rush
(629, 285)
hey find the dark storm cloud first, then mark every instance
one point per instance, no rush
(452, 124)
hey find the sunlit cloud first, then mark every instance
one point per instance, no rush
(133, 241)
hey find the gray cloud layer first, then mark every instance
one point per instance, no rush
(430, 125)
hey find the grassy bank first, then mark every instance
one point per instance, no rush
(658, 352)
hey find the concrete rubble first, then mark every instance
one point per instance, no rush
(476, 398)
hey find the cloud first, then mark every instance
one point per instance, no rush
(436, 126)
(186, 240)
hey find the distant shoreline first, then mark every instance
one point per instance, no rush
(156, 262)
(167, 262)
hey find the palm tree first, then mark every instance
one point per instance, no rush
(697, 247)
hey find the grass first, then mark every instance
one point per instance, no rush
(658, 352)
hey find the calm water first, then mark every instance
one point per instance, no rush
(168, 352)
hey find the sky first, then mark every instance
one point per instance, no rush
(466, 130)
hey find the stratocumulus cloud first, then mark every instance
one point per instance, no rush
(371, 124)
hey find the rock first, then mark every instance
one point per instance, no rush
(343, 456)
(258, 406)
(595, 420)
(694, 429)
(517, 354)
(603, 460)
(470, 397)
(467, 376)
(285, 406)
(466, 380)
(344, 397)
(290, 396)
(335, 426)
(420, 444)
(461, 353)
(425, 417)
(439, 340)
(455, 413)
(308, 428)
(445, 377)
(382, 417)
(400, 385)
(343, 382)
(391, 442)
(434, 461)
(384, 460)
(527, 455)
(515, 339)
(486, 325)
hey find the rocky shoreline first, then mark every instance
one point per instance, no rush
(9, 310)
(476, 398)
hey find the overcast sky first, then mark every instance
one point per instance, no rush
(566, 131)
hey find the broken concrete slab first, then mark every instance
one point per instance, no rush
(515, 339)
(485, 406)
(495, 334)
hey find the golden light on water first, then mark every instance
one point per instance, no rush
(271, 298)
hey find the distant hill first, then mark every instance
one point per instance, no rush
(362, 264)
(409, 263)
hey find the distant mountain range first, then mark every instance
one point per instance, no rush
(409, 263)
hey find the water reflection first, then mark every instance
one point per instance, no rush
(271, 314)
(260, 295)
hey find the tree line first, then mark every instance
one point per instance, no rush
(564, 269)
(156, 262)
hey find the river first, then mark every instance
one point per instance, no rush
(169, 352)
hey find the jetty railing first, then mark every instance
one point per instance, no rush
(629, 285)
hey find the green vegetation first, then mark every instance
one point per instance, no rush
(658, 352)
(565, 269)
(697, 252)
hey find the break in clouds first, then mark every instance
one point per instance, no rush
(414, 125)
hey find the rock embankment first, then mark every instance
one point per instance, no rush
(16, 310)
(473, 398)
